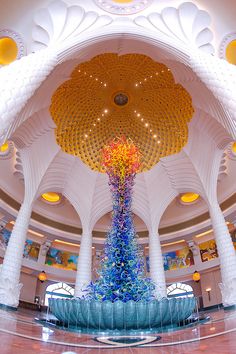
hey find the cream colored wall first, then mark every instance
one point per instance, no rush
(29, 287)
(211, 280)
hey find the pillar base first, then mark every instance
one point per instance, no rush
(9, 293)
(228, 292)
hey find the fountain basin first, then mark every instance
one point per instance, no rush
(107, 315)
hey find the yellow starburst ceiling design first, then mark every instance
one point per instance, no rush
(129, 95)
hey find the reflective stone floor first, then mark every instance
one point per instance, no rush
(19, 334)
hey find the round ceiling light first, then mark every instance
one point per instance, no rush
(234, 148)
(4, 148)
(51, 197)
(188, 198)
(8, 50)
(129, 95)
(230, 52)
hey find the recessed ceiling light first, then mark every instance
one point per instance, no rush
(8, 50)
(51, 197)
(4, 147)
(234, 147)
(189, 197)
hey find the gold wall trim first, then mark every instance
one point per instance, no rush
(76, 230)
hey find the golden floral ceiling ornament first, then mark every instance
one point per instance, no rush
(128, 95)
(123, 7)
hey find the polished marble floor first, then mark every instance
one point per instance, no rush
(20, 334)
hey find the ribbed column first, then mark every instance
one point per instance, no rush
(24, 76)
(226, 253)
(11, 267)
(84, 270)
(157, 272)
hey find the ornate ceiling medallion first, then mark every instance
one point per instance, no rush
(121, 99)
(128, 95)
(123, 7)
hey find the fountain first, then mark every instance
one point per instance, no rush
(122, 298)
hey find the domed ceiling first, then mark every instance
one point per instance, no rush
(129, 95)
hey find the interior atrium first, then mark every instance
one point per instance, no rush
(76, 75)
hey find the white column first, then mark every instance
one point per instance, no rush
(11, 267)
(19, 81)
(227, 255)
(157, 272)
(43, 252)
(84, 268)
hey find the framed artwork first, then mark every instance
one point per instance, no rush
(61, 259)
(31, 249)
(208, 250)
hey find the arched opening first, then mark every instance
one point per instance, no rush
(179, 290)
(58, 290)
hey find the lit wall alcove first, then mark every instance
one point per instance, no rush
(58, 290)
(180, 290)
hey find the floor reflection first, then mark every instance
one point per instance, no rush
(19, 333)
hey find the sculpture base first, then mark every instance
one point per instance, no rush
(7, 308)
(96, 316)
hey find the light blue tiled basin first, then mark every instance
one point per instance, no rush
(106, 315)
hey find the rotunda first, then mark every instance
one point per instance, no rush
(74, 76)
